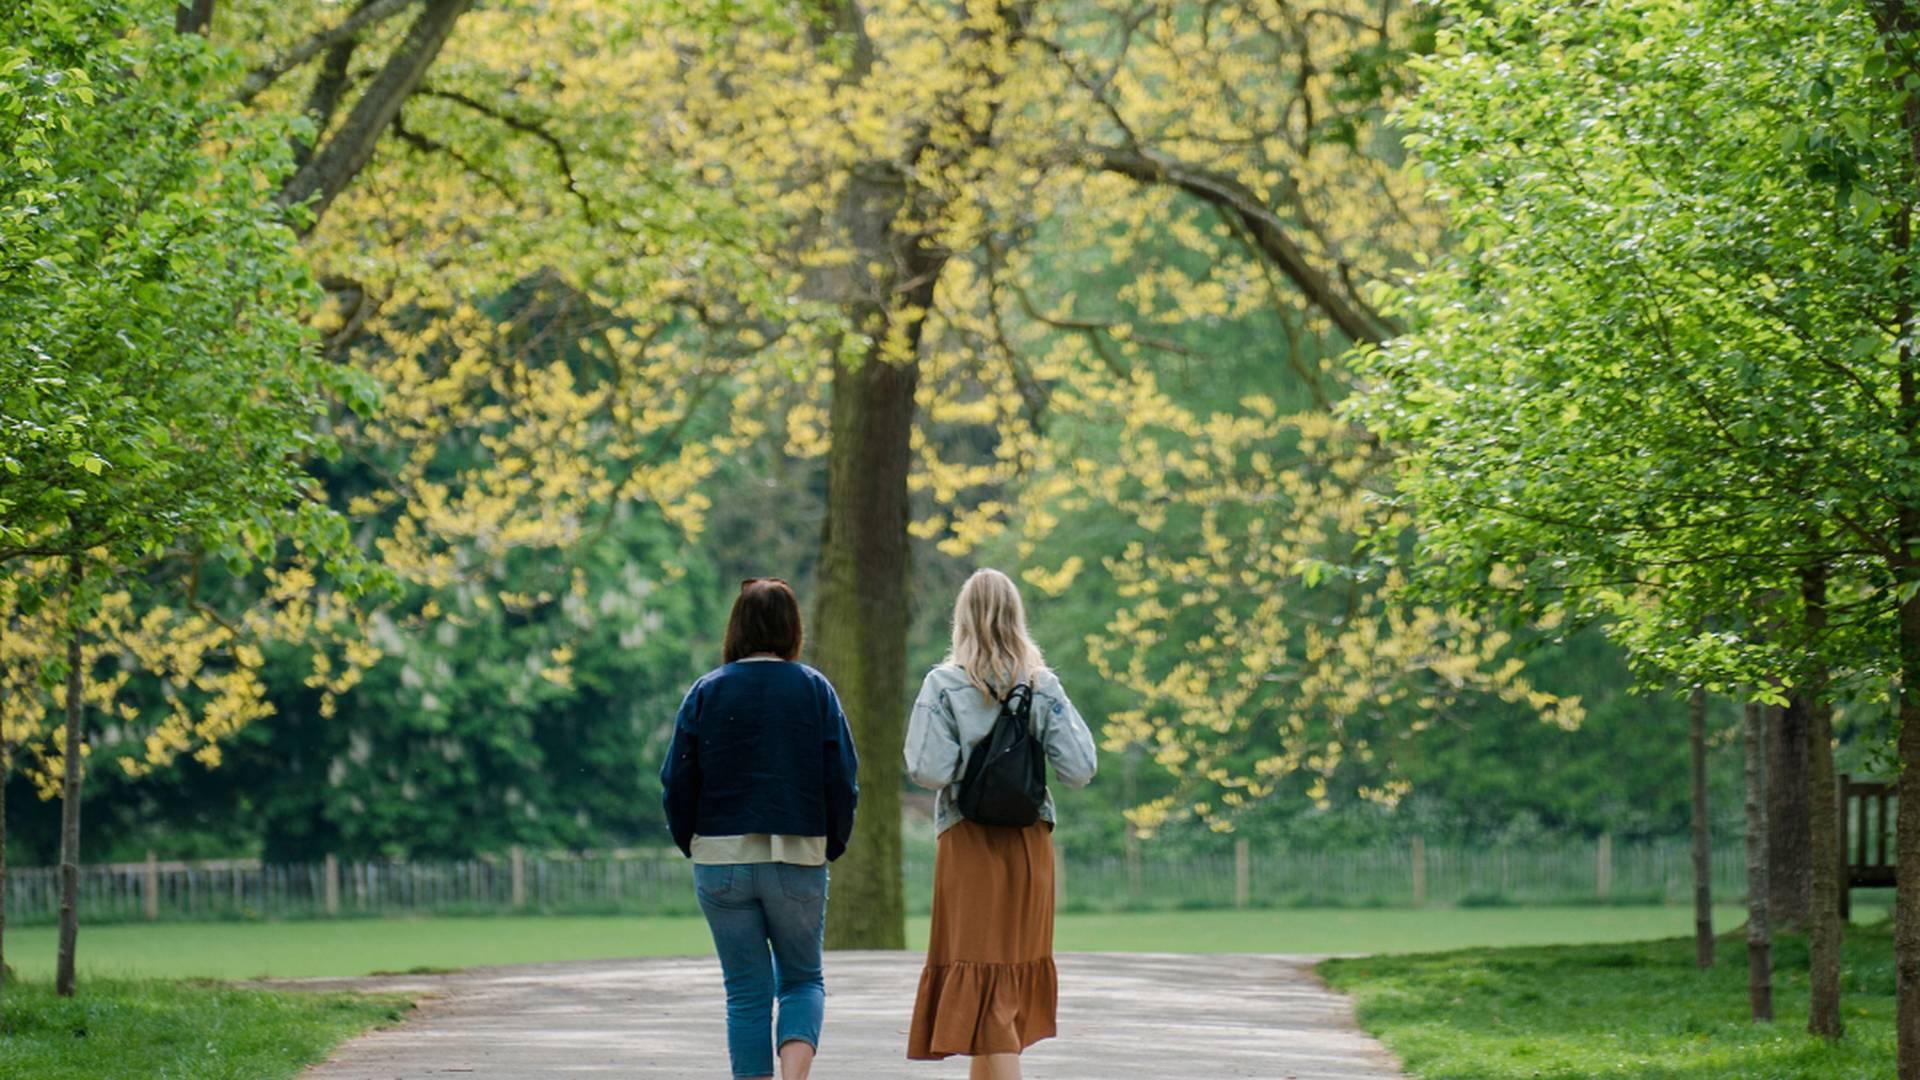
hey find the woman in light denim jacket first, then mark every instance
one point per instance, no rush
(989, 989)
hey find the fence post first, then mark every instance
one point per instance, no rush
(152, 887)
(1603, 867)
(1133, 863)
(1242, 873)
(1419, 871)
(519, 876)
(331, 886)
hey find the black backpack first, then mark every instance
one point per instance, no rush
(1006, 778)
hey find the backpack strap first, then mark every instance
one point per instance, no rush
(1025, 708)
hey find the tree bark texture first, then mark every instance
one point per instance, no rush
(860, 634)
(1702, 846)
(1823, 930)
(70, 790)
(1789, 820)
(1759, 934)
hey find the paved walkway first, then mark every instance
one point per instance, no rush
(1154, 1016)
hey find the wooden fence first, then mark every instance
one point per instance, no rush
(659, 881)
(1413, 875)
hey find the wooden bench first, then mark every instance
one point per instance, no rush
(1866, 830)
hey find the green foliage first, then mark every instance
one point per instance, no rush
(538, 722)
(1206, 370)
(125, 1030)
(1642, 1011)
(459, 741)
(467, 739)
(169, 389)
(1655, 380)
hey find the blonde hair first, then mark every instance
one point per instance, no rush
(990, 639)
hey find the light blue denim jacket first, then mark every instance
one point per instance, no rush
(951, 716)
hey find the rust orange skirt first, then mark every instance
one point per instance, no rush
(989, 986)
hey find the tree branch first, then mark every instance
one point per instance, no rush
(343, 156)
(525, 127)
(364, 306)
(1269, 232)
(50, 551)
(429, 145)
(323, 98)
(195, 17)
(347, 29)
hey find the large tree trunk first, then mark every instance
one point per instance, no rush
(1823, 931)
(70, 790)
(860, 634)
(1789, 820)
(1702, 846)
(887, 289)
(1759, 934)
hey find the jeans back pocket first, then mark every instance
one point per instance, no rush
(714, 882)
(803, 884)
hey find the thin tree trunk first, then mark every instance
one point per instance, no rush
(70, 790)
(1823, 931)
(1702, 849)
(6, 773)
(1759, 935)
(1896, 21)
(1789, 820)
(1906, 832)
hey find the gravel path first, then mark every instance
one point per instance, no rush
(1159, 1016)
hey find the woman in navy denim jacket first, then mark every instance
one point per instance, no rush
(760, 790)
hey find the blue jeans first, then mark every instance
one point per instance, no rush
(767, 920)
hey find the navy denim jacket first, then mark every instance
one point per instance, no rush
(761, 747)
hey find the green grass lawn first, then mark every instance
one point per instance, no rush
(118, 1030)
(361, 946)
(1638, 1012)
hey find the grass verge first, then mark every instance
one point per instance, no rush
(361, 946)
(1641, 1011)
(153, 1030)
